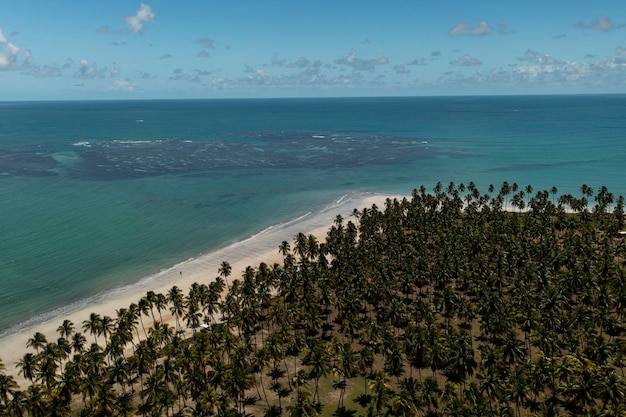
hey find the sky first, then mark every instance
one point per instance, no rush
(168, 49)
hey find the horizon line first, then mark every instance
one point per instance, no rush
(3, 101)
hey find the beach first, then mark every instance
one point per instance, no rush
(262, 247)
(93, 200)
(99, 209)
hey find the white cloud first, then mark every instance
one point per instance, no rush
(136, 23)
(601, 23)
(206, 43)
(203, 54)
(619, 51)
(361, 64)
(2, 38)
(26, 58)
(12, 51)
(465, 61)
(537, 57)
(46, 71)
(8, 59)
(88, 71)
(114, 71)
(165, 56)
(277, 61)
(401, 69)
(417, 61)
(540, 72)
(180, 75)
(123, 85)
(464, 28)
(299, 63)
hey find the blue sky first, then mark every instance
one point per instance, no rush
(214, 49)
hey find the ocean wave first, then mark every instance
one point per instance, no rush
(136, 142)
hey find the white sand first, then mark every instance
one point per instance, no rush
(262, 247)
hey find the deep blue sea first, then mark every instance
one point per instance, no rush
(95, 195)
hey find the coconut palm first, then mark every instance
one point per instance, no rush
(8, 389)
(29, 364)
(175, 298)
(302, 406)
(78, 343)
(224, 270)
(66, 328)
(318, 361)
(38, 341)
(93, 325)
(381, 394)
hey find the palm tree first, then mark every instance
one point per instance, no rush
(38, 341)
(224, 271)
(284, 248)
(125, 406)
(302, 406)
(153, 391)
(66, 328)
(119, 373)
(518, 388)
(345, 366)
(8, 389)
(29, 364)
(35, 401)
(192, 316)
(461, 362)
(78, 343)
(318, 361)
(144, 358)
(381, 394)
(505, 190)
(143, 308)
(93, 325)
(175, 298)
(105, 400)
(160, 303)
(237, 380)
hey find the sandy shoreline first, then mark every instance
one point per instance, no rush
(262, 247)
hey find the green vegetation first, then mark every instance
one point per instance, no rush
(442, 304)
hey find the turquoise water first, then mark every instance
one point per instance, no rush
(99, 194)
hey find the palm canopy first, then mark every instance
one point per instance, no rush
(441, 303)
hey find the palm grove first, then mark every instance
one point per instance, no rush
(455, 302)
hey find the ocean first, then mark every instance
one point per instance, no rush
(99, 194)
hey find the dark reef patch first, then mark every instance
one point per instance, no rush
(114, 160)
(129, 159)
(24, 163)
